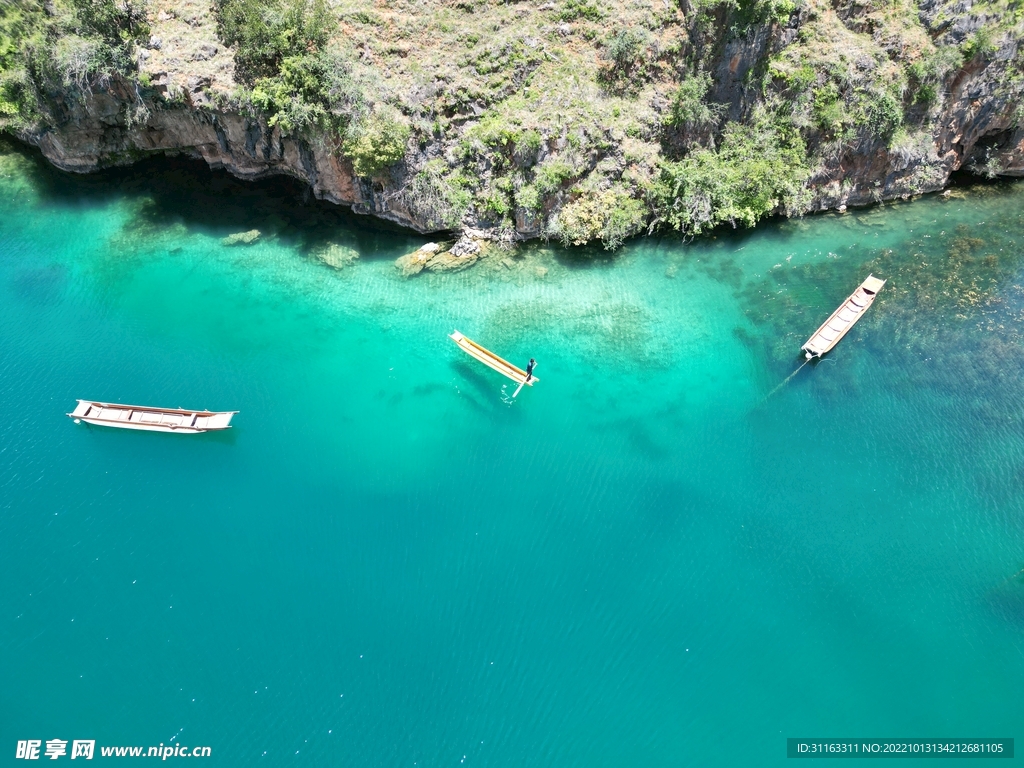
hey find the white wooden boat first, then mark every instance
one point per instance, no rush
(842, 320)
(491, 360)
(150, 419)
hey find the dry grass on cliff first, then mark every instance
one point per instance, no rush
(530, 63)
(530, 60)
(186, 48)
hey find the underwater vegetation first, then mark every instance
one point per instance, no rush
(953, 304)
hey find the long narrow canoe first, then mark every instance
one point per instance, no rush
(491, 360)
(150, 419)
(842, 320)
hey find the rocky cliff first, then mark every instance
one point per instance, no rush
(974, 120)
(572, 120)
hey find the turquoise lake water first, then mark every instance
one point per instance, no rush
(644, 560)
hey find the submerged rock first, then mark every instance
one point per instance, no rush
(434, 258)
(242, 238)
(409, 265)
(336, 256)
(413, 263)
(449, 261)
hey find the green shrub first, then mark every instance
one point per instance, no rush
(551, 175)
(926, 93)
(765, 11)
(529, 198)
(116, 22)
(62, 48)
(929, 72)
(828, 109)
(628, 56)
(528, 144)
(295, 78)
(497, 205)
(529, 141)
(581, 9)
(981, 44)
(377, 143)
(883, 114)
(366, 17)
(266, 32)
(441, 196)
(75, 59)
(503, 59)
(630, 59)
(625, 218)
(496, 201)
(17, 24)
(689, 108)
(610, 216)
(14, 93)
(86, 38)
(310, 90)
(706, 7)
(756, 170)
(495, 131)
(798, 80)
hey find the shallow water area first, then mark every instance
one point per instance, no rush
(655, 556)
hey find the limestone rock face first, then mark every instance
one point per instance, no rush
(96, 134)
(975, 128)
(465, 248)
(186, 108)
(976, 125)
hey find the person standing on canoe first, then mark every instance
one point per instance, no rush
(529, 368)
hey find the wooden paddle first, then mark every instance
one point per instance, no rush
(523, 383)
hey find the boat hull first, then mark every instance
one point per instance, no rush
(146, 427)
(491, 360)
(843, 319)
(149, 419)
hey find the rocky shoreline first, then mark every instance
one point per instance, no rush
(974, 131)
(184, 101)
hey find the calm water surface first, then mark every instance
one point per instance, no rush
(645, 560)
